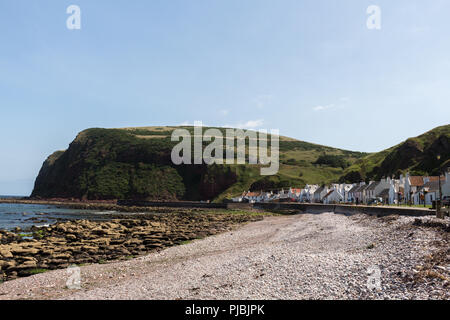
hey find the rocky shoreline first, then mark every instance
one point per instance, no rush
(86, 205)
(303, 256)
(122, 237)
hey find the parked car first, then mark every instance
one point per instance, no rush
(375, 201)
(446, 201)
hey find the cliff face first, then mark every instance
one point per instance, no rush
(114, 164)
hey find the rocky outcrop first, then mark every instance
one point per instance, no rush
(82, 242)
(103, 164)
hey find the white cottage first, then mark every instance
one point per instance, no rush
(333, 196)
(320, 194)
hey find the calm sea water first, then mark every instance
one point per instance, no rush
(27, 215)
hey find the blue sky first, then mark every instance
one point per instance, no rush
(309, 68)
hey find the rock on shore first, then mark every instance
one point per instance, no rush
(83, 242)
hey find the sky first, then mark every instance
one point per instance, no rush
(310, 68)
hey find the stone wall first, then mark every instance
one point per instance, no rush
(345, 209)
(175, 204)
(302, 207)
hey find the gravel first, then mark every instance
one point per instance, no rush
(323, 256)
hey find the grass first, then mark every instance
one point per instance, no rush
(25, 235)
(36, 271)
(415, 206)
(242, 212)
(404, 205)
(392, 161)
(39, 234)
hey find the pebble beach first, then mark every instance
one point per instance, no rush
(307, 256)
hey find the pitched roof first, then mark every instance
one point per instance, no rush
(416, 181)
(253, 194)
(436, 178)
(384, 193)
(373, 185)
(432, 186)
(329, 194)
(318, 191)
(354, 189)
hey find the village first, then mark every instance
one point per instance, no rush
(407, 190)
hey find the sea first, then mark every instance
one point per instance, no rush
(24, 216)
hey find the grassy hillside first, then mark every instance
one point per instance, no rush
(417, 155)
(135, 163)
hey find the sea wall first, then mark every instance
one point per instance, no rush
(131, 206)
(177, 204)
(345, 209)
(315, 208)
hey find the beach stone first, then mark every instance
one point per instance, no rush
(90, 249)
(26, 265)
(3, 264)
(75, 250)
(61, 228)
(61, 256)
(123, 251)
(24, 251)
(133, 241)
(71, 237)
(101, 242)
(58, 264)
(47, 252)
(4, 253)
(9, 265)
(23, 259)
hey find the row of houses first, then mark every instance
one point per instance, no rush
(417, 190)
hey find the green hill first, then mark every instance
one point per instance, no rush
(416, 155)
(135, 163)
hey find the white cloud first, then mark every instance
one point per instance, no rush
(251, 124)
(322, 108)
